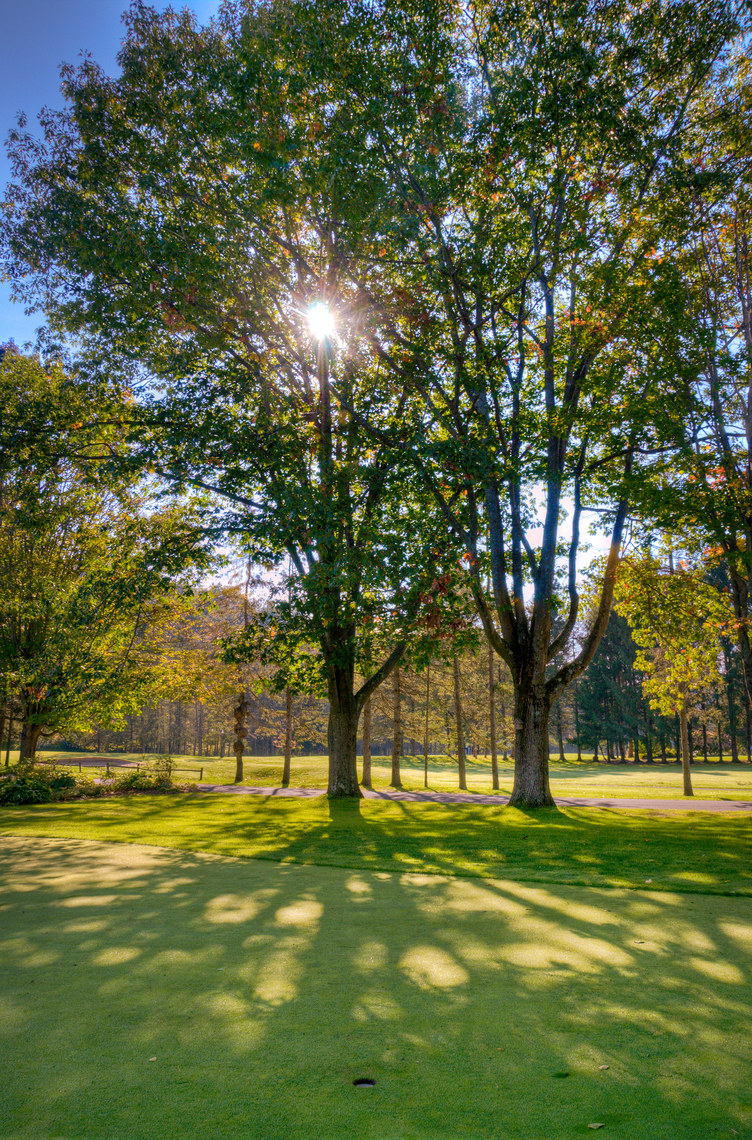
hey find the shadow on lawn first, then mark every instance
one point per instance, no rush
(151, 993)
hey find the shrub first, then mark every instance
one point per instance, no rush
(25, 786)
(134, 780)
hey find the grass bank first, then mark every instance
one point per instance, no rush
(587, 846)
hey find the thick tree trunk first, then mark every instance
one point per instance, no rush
(396, 780)
(531, 786)
(288, 738)
(458, 725)
(28, 744)
(366, 780)
(342, 734)
(686, 763)
(492, 720)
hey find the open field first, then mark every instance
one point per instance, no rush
(152, 994)
(711, 781)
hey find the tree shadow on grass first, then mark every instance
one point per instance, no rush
(262, 991)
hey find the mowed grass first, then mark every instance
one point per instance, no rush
(152, 994)
(695, 851)
(711, 781)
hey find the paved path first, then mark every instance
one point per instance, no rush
(463, 798)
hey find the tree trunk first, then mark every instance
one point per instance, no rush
(705, 742)
(425, 736)
(732, 720)
(720, 742)
(396, 780)
(366, 780)
(560, 732)
(531, 710)
(686, 763)
(575, 697)
(342, 734)
(288, 738)
(28, 744)
(458, 725)
(492, 720)
(649, 736)
(663, 747)
(239, 714)
(691, 741)
(10, 739)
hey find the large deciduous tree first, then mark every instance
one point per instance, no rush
(531, 155)
(85, 559)
(179, 215)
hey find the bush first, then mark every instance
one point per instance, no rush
(134, 780)
(26, 786)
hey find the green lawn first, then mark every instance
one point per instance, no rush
(692, 851)
(155, 994)
(711, 781)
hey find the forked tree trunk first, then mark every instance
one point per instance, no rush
(342, 733)
(531, 711)
(366, 780)
(288, 738)
(396, 780)
(686, 763)
(458, 724)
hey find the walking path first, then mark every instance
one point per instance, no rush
(467, 798)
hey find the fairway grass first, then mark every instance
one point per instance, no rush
(686, 851)
(154, 994)
(638, 781)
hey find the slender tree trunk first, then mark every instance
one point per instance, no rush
(492, 720)
(459, 727)
(425, 735)
(720, 742)
(396, 778)
(240, 713)
(10, 739)
(648, 736)
(2, 726)
(560, 732)
(366, 781)
(288, 738)
(342, 734)
(732, 720)
(663, 747)
(691, 740)
(705, 742)
(576, 699)
(686, 763)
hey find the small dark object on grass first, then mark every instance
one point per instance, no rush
(561, 1074)
(364, 1083)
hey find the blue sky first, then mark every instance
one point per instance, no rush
(37, 36)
